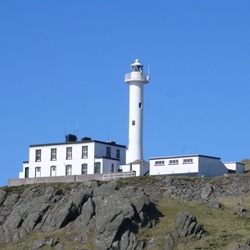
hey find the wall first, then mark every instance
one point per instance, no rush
(211, 167)
(235, 166)
(69, 178)
(140, 169)
(167, 168)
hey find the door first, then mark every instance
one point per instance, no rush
(38, 172)
(26, 173)
(53, 171)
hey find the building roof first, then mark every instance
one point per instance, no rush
(184, 156)
(77, 142)
(241, 163)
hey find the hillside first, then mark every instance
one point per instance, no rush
(138, 213)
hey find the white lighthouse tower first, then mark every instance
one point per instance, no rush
(136, 79)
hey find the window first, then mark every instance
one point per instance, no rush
(159, 163)
(119, 170)
(108, 151)
(69, 153)
(38, 172)
(84, 151)
(68, 170)
(53, 171)
(112, 167)
(38, 154)
(188, 161)
(118, 153)
(26, 171)
(140, 105)
(172, 162)
(97, 167)
(53, 154)
(84, 168)
(133, 123)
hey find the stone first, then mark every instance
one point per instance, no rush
(215, 205)
(206, 191)
(38, 243)
(168, 240)
(60, 246)
(11, 200)
(241, 211)
(53, 241)
(151, 243)
(2, 196)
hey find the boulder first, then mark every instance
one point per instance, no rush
(215, 205)
(187, 225)
(206, 191)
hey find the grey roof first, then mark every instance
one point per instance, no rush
(184, 156)
(77, 142)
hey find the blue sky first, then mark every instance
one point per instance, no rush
(62, 63)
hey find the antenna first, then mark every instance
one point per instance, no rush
(76, 129)
(65, 127)
(148, 70)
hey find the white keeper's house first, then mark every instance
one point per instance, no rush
(73, 158)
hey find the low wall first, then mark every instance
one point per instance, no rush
(70, 178)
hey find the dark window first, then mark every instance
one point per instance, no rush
(173, 162)
(38, 154)
(84, 168)
(112, 168)
(118, 153)
(68, 170)
(69, 153)
(133, 123)
(53, 154)
(84, 151)
(140, 105)
(108, 151)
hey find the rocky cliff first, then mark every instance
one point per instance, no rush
(121, 214)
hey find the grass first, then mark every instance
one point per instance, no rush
(223, 228)
(61, 233)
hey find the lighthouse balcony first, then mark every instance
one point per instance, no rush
(136, 77)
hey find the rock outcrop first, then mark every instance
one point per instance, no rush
(113, 214)
(187, 226)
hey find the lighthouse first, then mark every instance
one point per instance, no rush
(136, 80)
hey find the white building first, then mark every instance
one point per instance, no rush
(136, 80)
(188, 165)
(73, 158)
(134, 156)
(235, 167)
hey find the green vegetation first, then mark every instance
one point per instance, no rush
(223, 228)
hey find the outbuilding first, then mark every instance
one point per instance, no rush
(188, 165)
